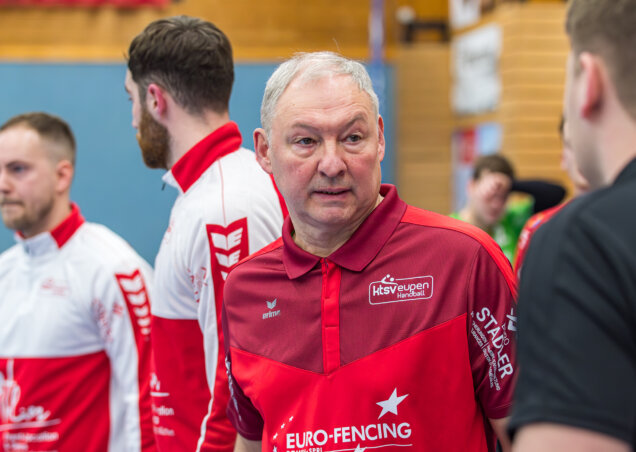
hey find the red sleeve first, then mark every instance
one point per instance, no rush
(240, 410)
(491, 331)
(522, 247)
(135, 294)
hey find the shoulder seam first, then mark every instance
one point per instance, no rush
(485, 241)
(276, 244)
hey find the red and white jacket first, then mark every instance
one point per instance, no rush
(74, 342)
(227, 208)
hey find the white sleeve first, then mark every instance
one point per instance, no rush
(225, 246)
(121, 308)
(222, 247)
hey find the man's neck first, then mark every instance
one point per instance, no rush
(619, 150)
(317, 240)
(614, 139)
(187, 130)
(322, 243)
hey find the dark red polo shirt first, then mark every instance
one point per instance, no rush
(401, 339)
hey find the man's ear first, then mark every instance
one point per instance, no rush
(381, 141)
(262, 149)
(470, 186)
(156, 101)
(590, 85)
(64, 171)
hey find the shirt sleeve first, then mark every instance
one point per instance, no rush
(121, 309)
(240, 410)
(491, 330)
(576, 330)
(227, 245)
(522, 246)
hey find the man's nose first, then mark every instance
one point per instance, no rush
(331, 162)
(5, 183)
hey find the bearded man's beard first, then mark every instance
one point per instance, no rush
(154, 141)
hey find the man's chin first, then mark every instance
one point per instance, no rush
(152, 159)
(9, 212)
(153, 163)
(13, 222)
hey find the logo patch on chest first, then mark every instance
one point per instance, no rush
(392, 290)
(55, 288)
(271, 309)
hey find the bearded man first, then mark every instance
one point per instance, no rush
(179, 79)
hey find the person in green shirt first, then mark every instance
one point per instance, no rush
(488, 206)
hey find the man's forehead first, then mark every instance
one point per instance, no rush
(345, 122)
(19, 133)
(316, 82)
(329, 93)
(22, 141)
(488, 171)
(129, 83)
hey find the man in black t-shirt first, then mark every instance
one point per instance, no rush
(577, 302)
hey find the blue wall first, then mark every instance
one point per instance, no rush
(112, 185)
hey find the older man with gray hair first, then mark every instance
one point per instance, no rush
(370, 323)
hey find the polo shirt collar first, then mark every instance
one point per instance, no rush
(365, 243)
(223, 141)
(54, 239)
(627, 174)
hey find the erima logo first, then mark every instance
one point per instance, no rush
(271, 305)
(391, 290)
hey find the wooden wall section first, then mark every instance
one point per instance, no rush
(259, 30)
(532, 70)
(424, 123)
(535, 50)
(265, 29)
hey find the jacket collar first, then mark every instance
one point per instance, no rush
(54, 239)
(189, 168)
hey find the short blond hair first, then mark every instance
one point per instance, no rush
(49, 127)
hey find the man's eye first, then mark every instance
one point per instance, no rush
(354, 138)
(305, 141)
(18, 169)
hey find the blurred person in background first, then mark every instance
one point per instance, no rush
(74, 307)
(577, 300)
(488, 206)
(179, 79)
(580, 185)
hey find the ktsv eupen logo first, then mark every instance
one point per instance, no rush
(395, 290)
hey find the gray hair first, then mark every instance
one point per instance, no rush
(312, 66)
